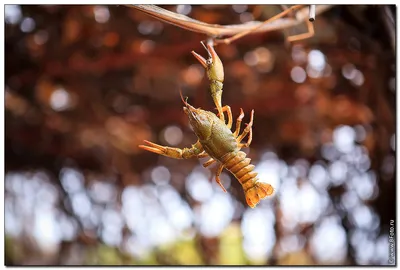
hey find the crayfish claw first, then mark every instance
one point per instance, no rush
(171, 151)
(155, 148)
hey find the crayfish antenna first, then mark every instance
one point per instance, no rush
(184, 101)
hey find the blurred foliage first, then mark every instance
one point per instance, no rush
(85, 85)
(231, 252)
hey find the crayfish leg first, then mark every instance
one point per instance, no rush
(208, 162)
(247, 130)
(202, 155)
(228, 110)
(238, 123)
(218, 179)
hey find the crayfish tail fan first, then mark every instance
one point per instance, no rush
(258, 192)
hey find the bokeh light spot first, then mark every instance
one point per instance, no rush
(160, 175)
(298, 74)
(12, 14)
(27, 25)
(60, 99)
(72, 180)
(328, 243)
(343, 138)
(184, 9)
(316, 60)
(101, 14)
(173, 135)
(199, 187)
(239, 8)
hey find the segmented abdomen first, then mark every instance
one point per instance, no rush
(239, 165)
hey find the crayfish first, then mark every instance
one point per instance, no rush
(215, 138)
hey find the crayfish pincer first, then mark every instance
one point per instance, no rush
(216, 140)
(215, 73)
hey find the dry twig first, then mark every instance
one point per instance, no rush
(236, 31)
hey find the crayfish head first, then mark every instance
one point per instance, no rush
(213, 65)
(200, 120)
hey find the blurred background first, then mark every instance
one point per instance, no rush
(85, 85)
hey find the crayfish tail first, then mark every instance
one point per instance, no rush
(240, 167)
(258, 192)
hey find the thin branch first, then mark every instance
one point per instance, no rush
(270, 20)
(310, 33)
(285, 7)
(216, 30)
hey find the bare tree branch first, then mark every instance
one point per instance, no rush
(251, 30)
(216, 30)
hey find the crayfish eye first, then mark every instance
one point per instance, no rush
(209, 61)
